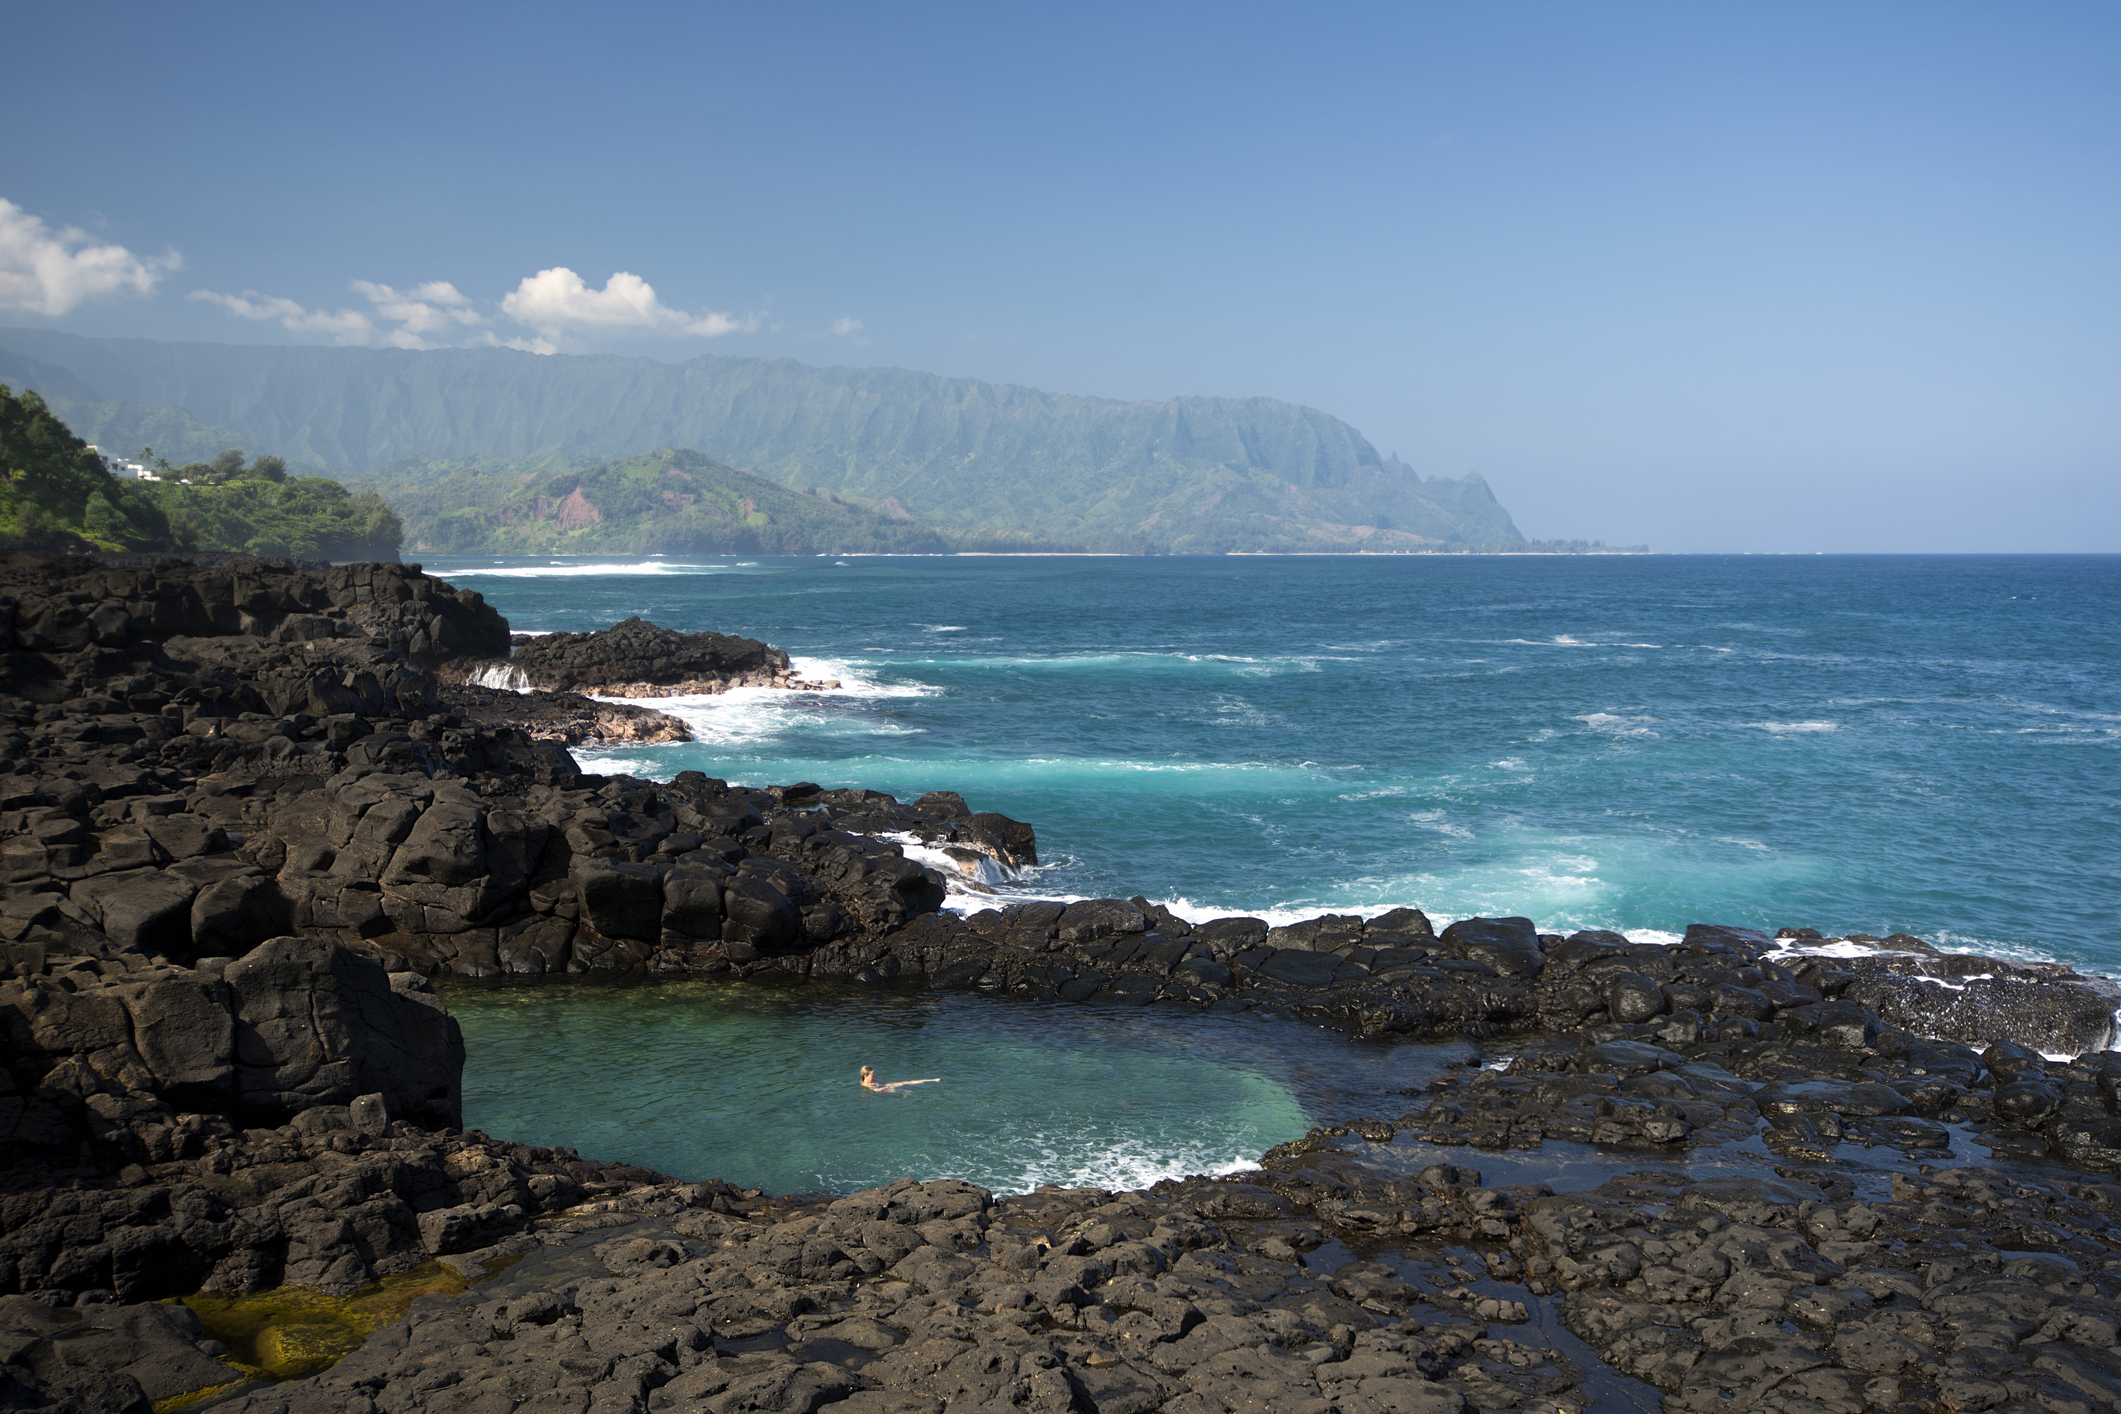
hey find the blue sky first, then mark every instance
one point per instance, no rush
(1715, 276)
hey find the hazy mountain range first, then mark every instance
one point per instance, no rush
(966, 457)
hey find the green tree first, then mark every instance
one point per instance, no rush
(228, 464)
(101, 521)
(380, 528)
(272, 469)
(184, 528)
(51, 477)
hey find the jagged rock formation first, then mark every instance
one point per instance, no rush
(635, 658)
(565, 717)
(112, 1039)
(197, 795)
(1967, 997)
(83, 620)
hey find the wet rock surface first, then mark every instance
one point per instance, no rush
(243, 822)
(334, 1200)
(1971, 1288)
(566, 717)
(635, 658)
(1968, 997)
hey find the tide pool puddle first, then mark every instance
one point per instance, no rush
(758, 1084)
(295, 1331)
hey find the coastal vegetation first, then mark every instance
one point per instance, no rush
(55, 490)
(261, 510)
(58, 492)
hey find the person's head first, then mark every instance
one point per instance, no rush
(868, 1072)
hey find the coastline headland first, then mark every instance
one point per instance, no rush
(250, 811)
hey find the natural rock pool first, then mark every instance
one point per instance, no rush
(758, 1084)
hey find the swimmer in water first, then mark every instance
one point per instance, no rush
(870, 1082)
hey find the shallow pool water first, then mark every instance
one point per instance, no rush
(758, 1084)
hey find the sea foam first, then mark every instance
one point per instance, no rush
(561, 570)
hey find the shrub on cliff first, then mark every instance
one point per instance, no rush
(261, 510)
(55, 491)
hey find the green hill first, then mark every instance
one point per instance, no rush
(260, 510)
(986, 460)
(666, 502)
(56, 492)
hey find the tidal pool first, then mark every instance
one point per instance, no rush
(758, 1083)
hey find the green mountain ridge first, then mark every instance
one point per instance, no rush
(666, 502)
(985, 460)
(113, 426)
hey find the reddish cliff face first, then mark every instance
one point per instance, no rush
(574, 511)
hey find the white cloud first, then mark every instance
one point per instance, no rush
(556, 302)
(536, 346)
(433, 308)
(844, 326)
(346, 326)
(49, 272)
(436, 307)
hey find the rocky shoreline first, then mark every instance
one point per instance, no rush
(245, 820)
(635, 658)
(568, 718)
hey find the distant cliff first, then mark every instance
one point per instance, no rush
(1189, 474)
(667, 502)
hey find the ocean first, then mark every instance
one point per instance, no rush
(1890, 744)
(1921, 744)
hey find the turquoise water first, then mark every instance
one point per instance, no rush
(1928, 744)
(759, 1085)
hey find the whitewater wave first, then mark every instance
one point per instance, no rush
(1236, 712)
(1238, 663)
(1566, 640)
(1028, 886)
(851, 676)
(1125, 1166)
(1946, 942)
(1440, 823)
(970, 878)
(1615, 724)
(1162, 767)
(748, 716)
(561, 570)
(1789, 728)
